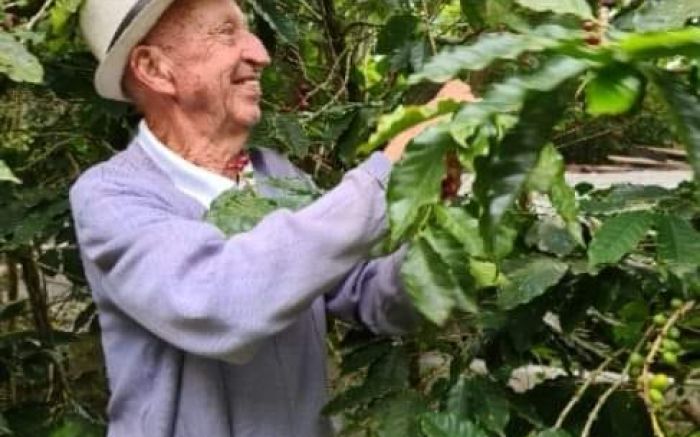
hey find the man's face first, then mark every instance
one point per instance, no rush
(218, 64)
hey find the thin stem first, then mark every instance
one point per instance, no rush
(582, 390)
(651, 357)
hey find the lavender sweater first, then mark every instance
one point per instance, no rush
(212, 337)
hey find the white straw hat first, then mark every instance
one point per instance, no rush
(112, 28)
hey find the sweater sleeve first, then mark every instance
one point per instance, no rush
(186, 283)
(373, 295)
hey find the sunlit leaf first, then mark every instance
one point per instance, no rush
(17, 63)
(6, 174)
(614, 90)
(403, 118)
(661, 44)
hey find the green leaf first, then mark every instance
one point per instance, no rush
(415, 182)
(61, 12)
(643, 46)
(550, 235)
(6, 174)
(659, 15)
(449, 425)
(463, 227)
(17, 63)
(553, 433)
(388, 373)
(280, 22)
(575, 7)
(474, 11)
(237, 211)
(614, 90)
(454, 256)
(677, 241)
(399, 415)
(618, 236)
(502, 175)
(429, 282)
(489, 48)
(402, 118)
(529, 278)
(684, 109)
(396, 33)
(481, 401)
(509, 96)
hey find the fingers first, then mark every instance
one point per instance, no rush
(455, 90)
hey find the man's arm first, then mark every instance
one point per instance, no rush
(186, 283)
(372, 294)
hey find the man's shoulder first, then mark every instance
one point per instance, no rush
(125, 172)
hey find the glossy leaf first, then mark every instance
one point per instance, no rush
(677, 241)
(403, 118)
(17, 63)
(502, 175)
(529, 279)
(614, 90)
(6, 174)
(575, 7)
(642, 46)
(429, 282)
(449, 425)
(684, 109)
(509, 96)
(489, 48)
(415, 182)
(618, 236)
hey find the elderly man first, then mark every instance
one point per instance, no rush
(204, 335)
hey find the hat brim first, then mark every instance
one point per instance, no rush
(109, 74)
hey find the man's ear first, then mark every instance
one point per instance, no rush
(153, 69)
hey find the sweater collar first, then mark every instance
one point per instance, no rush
(197, 182)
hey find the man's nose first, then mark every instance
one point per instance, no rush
(255, 52)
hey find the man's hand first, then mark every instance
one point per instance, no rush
(454, 90)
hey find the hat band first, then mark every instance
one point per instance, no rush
(128, 19)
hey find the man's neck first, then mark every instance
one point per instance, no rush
(198, 142)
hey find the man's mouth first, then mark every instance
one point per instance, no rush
(247, 80)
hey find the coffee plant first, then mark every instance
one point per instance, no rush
(549, 310)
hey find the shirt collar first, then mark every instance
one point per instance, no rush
(197, 182)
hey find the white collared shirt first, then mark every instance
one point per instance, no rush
(199, 183)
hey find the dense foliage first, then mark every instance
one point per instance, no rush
(548, 311)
